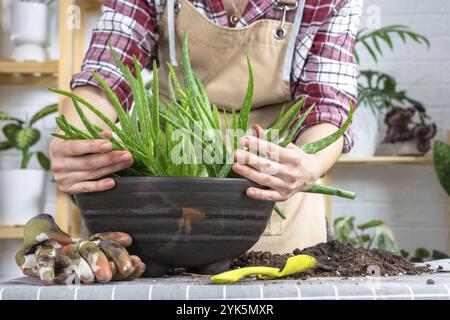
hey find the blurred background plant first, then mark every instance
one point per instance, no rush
(372, 234)
(375, 234)
(21, 135)
(405, 117)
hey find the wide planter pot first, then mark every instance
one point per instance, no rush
(196, 223)
(22, 195)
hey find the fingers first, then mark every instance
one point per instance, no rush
(122, 238)
(75, 148)
(271, 150)
(265, 195)
(45, 261)
(74, 266)
(260, 178)
(117, 254)
(92, 162)
(92, 175)
(76, 164)
(89, 186)
(138, 268)
(96, 260)
(28, 265)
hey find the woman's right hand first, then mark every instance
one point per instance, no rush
(79, 165)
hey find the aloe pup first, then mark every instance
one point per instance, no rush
(147, 129)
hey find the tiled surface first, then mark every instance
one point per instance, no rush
(185, 288)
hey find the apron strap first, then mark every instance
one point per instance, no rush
(289, 55)
(171, 32)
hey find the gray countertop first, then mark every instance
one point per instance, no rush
(185, 287)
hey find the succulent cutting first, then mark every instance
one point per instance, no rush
(147, 130)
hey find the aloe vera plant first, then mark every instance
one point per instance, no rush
(147, 130)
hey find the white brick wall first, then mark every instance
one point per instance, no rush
(409, 199)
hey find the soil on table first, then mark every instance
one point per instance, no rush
(337, 260)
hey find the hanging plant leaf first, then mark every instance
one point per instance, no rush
(44, 161)
(442, 164)
(44, 112)
(25, 138)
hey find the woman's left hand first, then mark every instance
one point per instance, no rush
(285, 171)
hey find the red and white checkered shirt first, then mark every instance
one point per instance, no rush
(323, 68)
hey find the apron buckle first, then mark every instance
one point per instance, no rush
(177, 7)
(280, 32)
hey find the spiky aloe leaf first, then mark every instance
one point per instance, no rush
(296, 127)
(247, 105)
(25, 138)
(44, 112)
(441, 159)
(317, 146)
(188, 75)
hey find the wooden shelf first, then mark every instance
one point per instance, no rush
(28, 67)
(386, 160)
(11, 232)
(28, 73)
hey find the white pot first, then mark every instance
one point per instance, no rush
(366, 131)
(29, 30)
(407, 148)
(22, 195)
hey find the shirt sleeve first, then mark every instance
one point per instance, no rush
(131, 27)
(329, 75)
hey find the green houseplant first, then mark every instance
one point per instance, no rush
(378, 91)
(372, 234)
(148, 129)
(23, 187)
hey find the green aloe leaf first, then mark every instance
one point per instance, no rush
(247, 105)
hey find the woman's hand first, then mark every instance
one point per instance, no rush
(77, 165)
(285, 171)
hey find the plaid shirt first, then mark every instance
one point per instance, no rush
(323, 68)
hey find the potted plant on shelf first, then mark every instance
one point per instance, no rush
(29, 29)
(377, 91)
(22, 190)
(409, 129)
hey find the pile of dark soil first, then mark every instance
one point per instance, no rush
(337, 260)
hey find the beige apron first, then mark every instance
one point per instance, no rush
(218, 58)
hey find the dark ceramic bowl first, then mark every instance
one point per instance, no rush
(196, 223)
